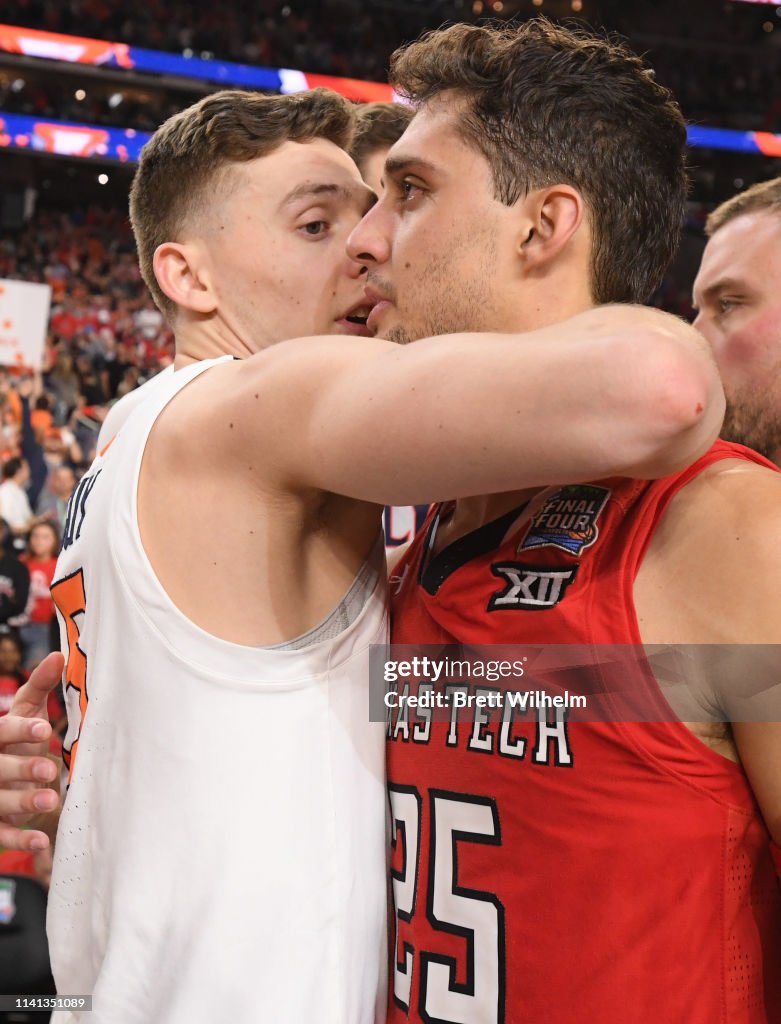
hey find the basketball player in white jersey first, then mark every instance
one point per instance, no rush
(221, 569)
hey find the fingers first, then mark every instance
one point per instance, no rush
(22, 730)
(20, 802)
(22, 839)
(33, 694)
(25, 769)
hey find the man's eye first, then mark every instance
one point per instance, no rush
(315, 228)
(726, 305)
(409, 191)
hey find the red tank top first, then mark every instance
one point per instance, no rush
(569, 873)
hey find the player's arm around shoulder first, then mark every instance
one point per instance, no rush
(203, 438)
(724, 537)
(615, 390)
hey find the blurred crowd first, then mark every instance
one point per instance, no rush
(106, 337)
(42, 96)
(720, 60)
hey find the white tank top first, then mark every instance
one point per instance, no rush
(221, 852)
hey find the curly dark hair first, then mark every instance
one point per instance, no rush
(547, 104)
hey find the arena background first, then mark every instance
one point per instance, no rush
(83, 82)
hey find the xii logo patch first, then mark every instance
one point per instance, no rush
(567, 520)
(530, 586)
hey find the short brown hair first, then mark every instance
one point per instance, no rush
(765, 195)
(182, 163)
(547, 104)
(378, 126)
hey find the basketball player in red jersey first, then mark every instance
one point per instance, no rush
(544, 869)
(737, 295)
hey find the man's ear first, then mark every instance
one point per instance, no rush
(551, 218)
(182, 276)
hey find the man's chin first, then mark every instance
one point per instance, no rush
(398, 335)
(750, 424)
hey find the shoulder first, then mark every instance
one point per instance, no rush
(720, 540)
(121, 409)
(731, 492)
(189, 423)
(732, 505)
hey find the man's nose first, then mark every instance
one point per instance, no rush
(369, 242)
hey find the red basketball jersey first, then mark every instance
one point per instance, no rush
(569, 872)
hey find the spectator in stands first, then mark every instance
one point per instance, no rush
(10, 416)
(65, 384)
(53, 502)
(61, 448)
(14, 503)
(14, 578)
(41, 418)
(11, 674)
(40, 558)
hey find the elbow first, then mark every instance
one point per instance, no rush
(680, 401)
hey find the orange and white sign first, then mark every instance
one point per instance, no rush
(24, 318)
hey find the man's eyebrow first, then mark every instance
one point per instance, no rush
(399, 164)
(351, 193)
(719, 285)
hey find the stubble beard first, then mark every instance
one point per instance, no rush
(755, 422)
(399, 336)
(444, 303)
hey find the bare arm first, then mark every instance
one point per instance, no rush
(759, 744)
(616, 391)
(752, 697)
(719, 556)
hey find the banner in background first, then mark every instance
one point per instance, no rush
(66, 138)
(78, 50)
(24, 317)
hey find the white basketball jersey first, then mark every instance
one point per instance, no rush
(122, 408)
(221, 852)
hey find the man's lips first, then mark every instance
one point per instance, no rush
(379, 304)
(376, 313)
(354, 320)
(354, 327)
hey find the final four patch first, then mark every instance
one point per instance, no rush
(567, 520)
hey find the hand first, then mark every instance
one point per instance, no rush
(25, 770)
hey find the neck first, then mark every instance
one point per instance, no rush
(546, 307)
(542, 310)
(208, 339)
(472, 513)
